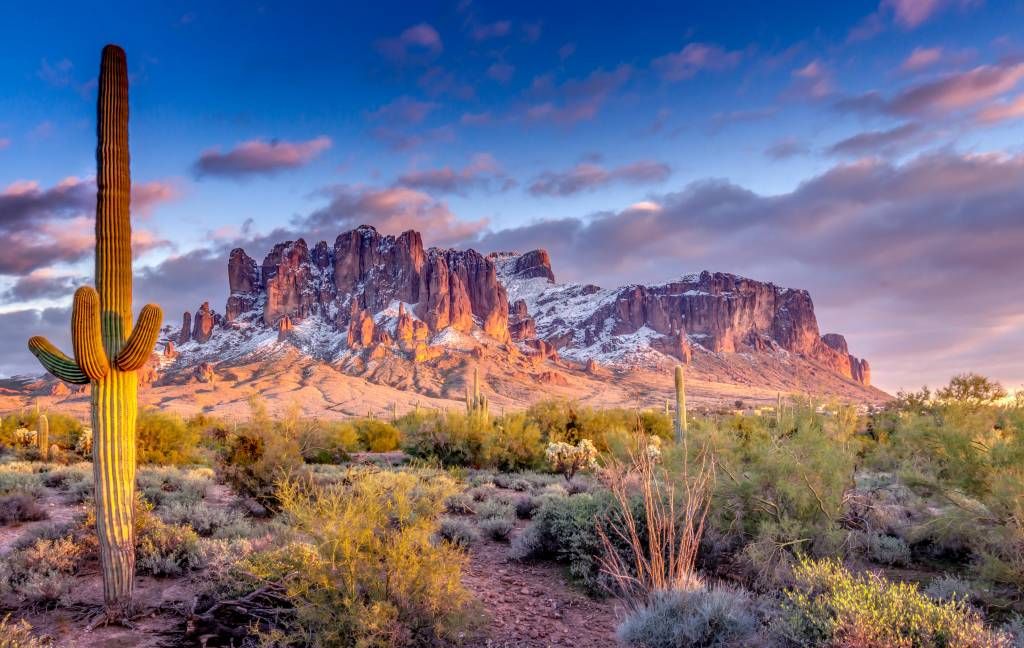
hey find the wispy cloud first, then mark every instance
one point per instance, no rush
(574, 100)
(878, 142)
(417, 44)
(259, 157)
(588, 176)
(694, 58)
(1003, 111)
(786, 148)
(922, 57)
(487, 31)
(483, 172)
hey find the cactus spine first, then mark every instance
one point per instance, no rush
(476, 403)
(43, 437)
(680, 423)
(107, 351)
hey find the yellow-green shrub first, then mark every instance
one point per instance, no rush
(830, 606)
(165, 439)
(377, 436)
(364, 570)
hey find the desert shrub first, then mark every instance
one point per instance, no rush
(329, 442)
(254, 459)
(165, 439)
(497, 528)
(162, 486)
(41, 569)
(883, 549)
(16, 478)
(164, 549)
(565, 528)
(377, 436)
(482, 493)
(20, 507)
(950, 588)
(513, 442)
(457, 531)
(364, 571)
(525, 507)
(66, 478)
(494, 509)
(452, 438)
(206, 520)
(20, 635)
(64, 429)
(710, 617)
(830, 606)
(459, 504)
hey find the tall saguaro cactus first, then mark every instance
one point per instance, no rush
(680, 422)
(107, 351)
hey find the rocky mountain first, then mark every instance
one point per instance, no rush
(389, 296)
(375, 322)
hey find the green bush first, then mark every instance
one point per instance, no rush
(497, 528)
(20, 507)
(377, 436)
(165, 439)
(828, 605)
(256, 458)
(364, 570)
(329, 442)
(20, 635)
(164, 549)
(41, 569)
(457, 531)
(714, 617)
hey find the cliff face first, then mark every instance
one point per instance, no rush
(390, 292)
(363, 274)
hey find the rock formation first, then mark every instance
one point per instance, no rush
(355, 288)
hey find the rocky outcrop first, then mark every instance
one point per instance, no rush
(719, 312)
(363, 273)
(169, 352)
(203, 322)
(186, 328)
(284, 327)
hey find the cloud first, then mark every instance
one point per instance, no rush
(147, 195)
(439, 82)
(721, 120)
(259, 157)
(403, 140)
(4, 143)
(922, 57)
(906, 14)
(694, 58)
(945, 95)
(786, 148)
(19, 325)
(921, 255)
(488, 31)
(566, 50)
(403, 111)
(42, 284)
(501, 71)
(1003, 111)
(575, 100)
(418, 44)
(391, 210)
(813, 80)
(879, 142)
(58, 74)
(588, 176)
(483, 172)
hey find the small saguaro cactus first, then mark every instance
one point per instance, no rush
(680, 423)
(107, 350)
(476, 403)
(43, 437)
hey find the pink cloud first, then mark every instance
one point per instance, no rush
(403, 111)
(575, 100)
(959, 90)
(501, 71)
(1003, 111)
(694, 58)
(4, 143)
(483, 172)
(415, 44)
(922, 57)
(588, 176)
(813, 80)
(147, 195)
(490, 30)
(259, 157)
(911, 13)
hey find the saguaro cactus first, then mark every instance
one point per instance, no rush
(43, 437)
(476, 403)
(107, 351)
(680, 423)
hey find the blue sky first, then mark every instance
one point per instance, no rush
(870, 152)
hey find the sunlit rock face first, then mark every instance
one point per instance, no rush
(716, 312)
(363, 274)
(372, 290)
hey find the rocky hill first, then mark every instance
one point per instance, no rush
(375, 320)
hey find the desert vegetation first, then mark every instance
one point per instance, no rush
(808, 524)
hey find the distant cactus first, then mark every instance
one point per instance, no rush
(43, 437)
(476, 403)
(680, 423)
(107, 351)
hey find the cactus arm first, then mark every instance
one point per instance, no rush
(56, 362)
(142, 340)
(85, 333)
